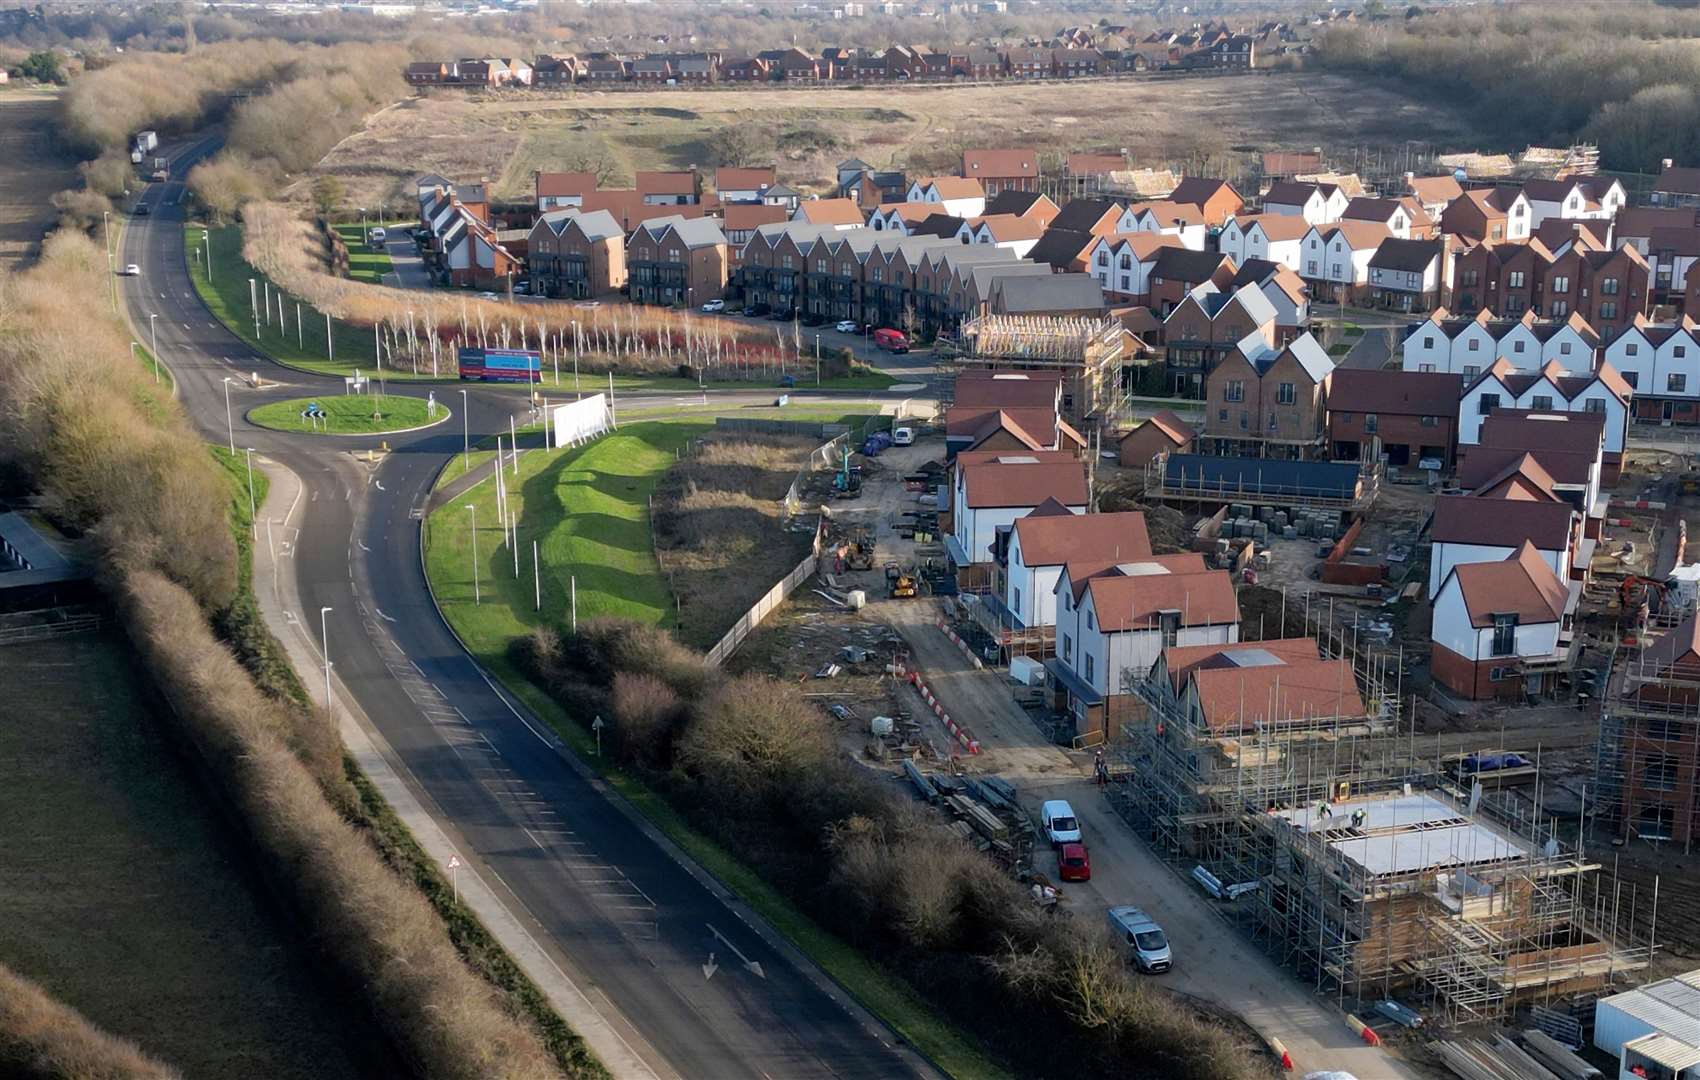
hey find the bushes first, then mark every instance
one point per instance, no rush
(751, 762)
(43, 1039)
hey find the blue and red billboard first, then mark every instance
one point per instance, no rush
(501, 365)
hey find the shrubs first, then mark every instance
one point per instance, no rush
(751, 762)
(44, 1039)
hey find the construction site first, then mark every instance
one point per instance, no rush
(1372, 865)
(1090, 354)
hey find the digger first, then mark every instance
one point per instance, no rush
(901, 582)
(859, 552)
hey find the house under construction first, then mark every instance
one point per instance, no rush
(1649, 743)
(1304, 802)
(1091, 354)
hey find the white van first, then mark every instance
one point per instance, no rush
(375, 238)
(1144, 940)
(1058, 820)
(903, 436)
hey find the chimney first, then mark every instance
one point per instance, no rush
(1664, 163)
(1410, 176)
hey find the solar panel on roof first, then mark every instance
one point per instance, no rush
(1141, 569)
(1254, 658)
(1018, 460)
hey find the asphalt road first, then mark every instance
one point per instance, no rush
(625, 916)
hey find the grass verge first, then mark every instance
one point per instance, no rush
(352, 414)
(365, 263)
(590, 507)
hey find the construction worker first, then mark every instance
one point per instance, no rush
(1101, 770)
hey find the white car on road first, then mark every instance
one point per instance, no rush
(132, 270)
(1060, 823)
(714, 307)
(847, 326)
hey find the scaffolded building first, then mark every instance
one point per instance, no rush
(1649, 743)
(1089, 353)
(1349, 857)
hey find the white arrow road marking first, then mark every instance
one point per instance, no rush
(752, 966)
(384, 617)
(363, 546)
(711, 967)
(380, 486)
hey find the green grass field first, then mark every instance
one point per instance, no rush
(365, 263)
(126, 894)
(227, 296)
(588, 510)
(350, 414)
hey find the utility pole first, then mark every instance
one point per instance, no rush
(475, 597)
(325, 647)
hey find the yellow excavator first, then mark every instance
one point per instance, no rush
(900, 581)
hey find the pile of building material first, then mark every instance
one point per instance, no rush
(984, 810)
(1476, 1059)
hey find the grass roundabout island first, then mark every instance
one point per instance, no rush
(352, 414)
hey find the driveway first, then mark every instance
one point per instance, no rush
(1212, 960)
(408, 269)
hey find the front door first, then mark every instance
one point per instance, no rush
(1667, 410)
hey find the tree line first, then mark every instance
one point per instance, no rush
(1625, 76)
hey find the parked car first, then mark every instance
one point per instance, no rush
(488, 296)
(375, 238)
(714, 307)
(756, 309)
(891, 340)
(1147, 946)
(1073, 864)
(847, 326)
(903, 436)
(132, 270)
(781, 314)
(1058, 820)
(813, 318)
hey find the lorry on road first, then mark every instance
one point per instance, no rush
(161, 169)
(143, 143)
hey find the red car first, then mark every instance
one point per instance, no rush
(1073, 864)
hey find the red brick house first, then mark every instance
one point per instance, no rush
(1002, 170)
(1413, 414)
(1216, 198)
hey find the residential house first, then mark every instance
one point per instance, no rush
(1098, 215)
(1660, 363)
(1285, 291)
(1403, 217)
(578, 254)
(752, 69)
(744, 185)
(1468, 346)
(1160, 433)
(904, 217)
(1043, 542)
(677, 188)
(1488, 215)
(1178, 271)
(784, 196)
(1316, 204)
(1433, 193)
(1409, 275)
(1493, 525)
(1590, 418)
(1114, 621)
(609, 70)
(868, 187)
(795, 64)
(555, 69)
(1634, 225)
(958, 196)
(1208, 325)
(1672, 252)
(739, 221)
(992, 490)
(430, 73)
(1086, 172)
(1065, 250)
(1122, 263)
(1574, 198)
(1501, 628)
(1217, 199)
(832, 213)
(1336, 259)
(1276, 237)
(1181, 220)
(1073, 294)
(1268, 402)
(1285, 164)
(560, 190)
(1014, 234)
(1410, 416)
(1676, 186)
(1600, 392)
(1257, 686)
(677, 261)
(653, 71)
(1002, 170)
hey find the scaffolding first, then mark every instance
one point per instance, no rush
(1360, 863)
(1648, 749)
(1090, 353)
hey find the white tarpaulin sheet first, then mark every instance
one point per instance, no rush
(580, 421)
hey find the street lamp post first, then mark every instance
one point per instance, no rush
(229, 423)
(466, 435)
(153, 332)
(475, 597)
(362, 224)
(253, 517)
(325, 647)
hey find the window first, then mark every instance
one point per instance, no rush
(1428, 341)
(1286, 394)
(1560, 309)
(1471, 277)
(1475, 345)
(1425, 367)
(1563, 346)
(1516, 281)
(1430, 421)
(785, 261)
(1608, 310)
(1496, 674)
(1171, 621)
(1068, 649)
(1245, 420)
(1222, 415)
(1017, 597)
(1608, 286)
(1541, 402)
(1345, 417)
(1504, 635)
(1561, 283)
(1631, 377)
(1677, 383)
(1088, 667)
(1471, 371)
(1486, 404)
(1234, 390)
(1104, 258)
(1091, 623)
(1661, 773)
(1312, 265)
(1679, 351)
(1594, 405)
(1517, 346)
(1371, 422)
(1631, 349)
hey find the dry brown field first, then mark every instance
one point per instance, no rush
(31, 170)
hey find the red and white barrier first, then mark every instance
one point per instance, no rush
(944, 627)
(1639, 504)
(1280, 1051)
(1364, 1031)
(957, 731)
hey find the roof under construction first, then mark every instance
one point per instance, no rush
(1405, 833)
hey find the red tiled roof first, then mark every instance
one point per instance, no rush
(1460, 519)
(1522, 585)
(753, 215)
(830, 212)
(1256, 683)
(1521, 478)
(1394, 393)
(954, 187)
(1038, 422)
(1134, 601)
(1002, 389)
(1052, 541)
(1095, 164)
(667, 183)
(744, 179)
(1004, 484)
(564, 184)
(1000, 164)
